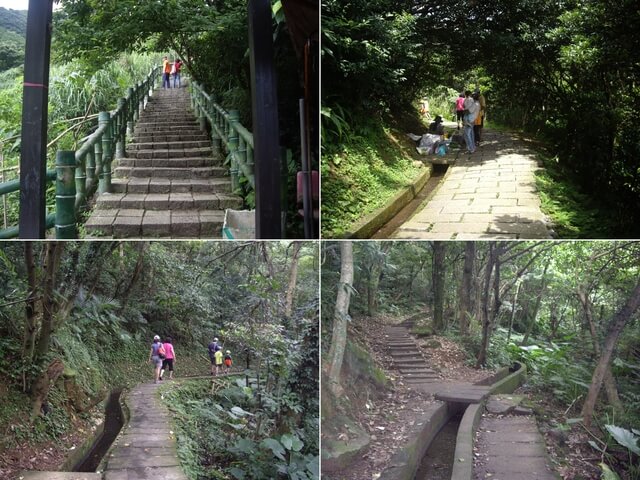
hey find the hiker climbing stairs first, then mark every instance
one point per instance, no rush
(171, 183)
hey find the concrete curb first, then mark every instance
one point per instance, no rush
(405, 462)
(463, 455)
(370, 224)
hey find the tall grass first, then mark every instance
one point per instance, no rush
(74, 92)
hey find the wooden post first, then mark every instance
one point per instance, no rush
(33, 156)
(264, 101)
(65, 195)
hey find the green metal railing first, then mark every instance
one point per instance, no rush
(226, 131)
(78, 174)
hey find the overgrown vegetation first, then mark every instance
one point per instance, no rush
(77, 320)
(381, 160)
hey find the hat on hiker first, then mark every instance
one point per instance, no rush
(215, 339)
(438, 119)
(156, 337)
(228, 351)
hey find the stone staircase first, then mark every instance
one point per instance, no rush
(171, 183)
(408, 358)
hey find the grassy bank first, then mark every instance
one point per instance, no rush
(363, 170)
(573, 212)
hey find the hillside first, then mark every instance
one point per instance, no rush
(13, 27)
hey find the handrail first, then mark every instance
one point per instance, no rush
(226, 130)
(91, 163)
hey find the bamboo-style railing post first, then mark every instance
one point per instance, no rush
(90, 161)
(130, 99)
(105, 175)
(232, 145)
(119, 126)
(81, 184)
(65, 195)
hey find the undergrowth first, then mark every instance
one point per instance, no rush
(233, 434)
(361, 172)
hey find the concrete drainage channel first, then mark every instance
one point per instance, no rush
(431, 454)
(87, 458)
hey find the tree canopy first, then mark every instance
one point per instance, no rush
(566, 71)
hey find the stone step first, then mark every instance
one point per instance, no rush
(169, 201)
(166, 129)
(402, 345)
(143, 123)
(417, 371)
(408, 363)
(404, 366)
(176, 145)
(417, 381)
(169, 172)
(168, 162)
(159, 223)
(186, 137)
(407, 357)
(173, 185)
(172, 153)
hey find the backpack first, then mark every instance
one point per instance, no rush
(161, 351)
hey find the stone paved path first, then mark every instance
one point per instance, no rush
(490, 194)
(146, 447)
(414, 368)
(507, 448)
(171, 184)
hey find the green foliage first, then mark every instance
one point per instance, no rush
(362, 174)
(13, 25)
(218, 435)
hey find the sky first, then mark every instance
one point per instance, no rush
(19, 4)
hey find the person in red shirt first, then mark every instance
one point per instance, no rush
(169, 358)
(177, 65)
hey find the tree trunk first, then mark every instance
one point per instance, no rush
(465, 288)
(293, 279)
(484, 311)
(51, 262)
(30, 305)
(537, 306)
(610, 387)
(375, 274)
(42, 385)
(340, 318)
(513, 309)
(137, 270)
(615, 329)
(438, 272)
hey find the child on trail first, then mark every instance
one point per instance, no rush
(214, 346)
(460, 109)
(156, 355)
(227, 362)
(169, 359)
(218, 359)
